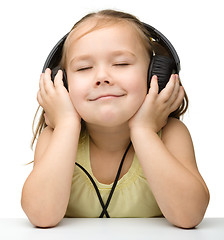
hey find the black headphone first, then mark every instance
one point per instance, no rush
(161, 64)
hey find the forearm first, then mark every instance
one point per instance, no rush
(180, 194)
(47, 189)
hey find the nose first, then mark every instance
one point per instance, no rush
(102, 77)
(100, 82)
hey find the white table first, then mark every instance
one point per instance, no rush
(112, 228)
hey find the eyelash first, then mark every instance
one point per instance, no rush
(121, 64)
(118, 64)
(83, 69)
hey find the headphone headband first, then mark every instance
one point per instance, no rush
(163, 41)
(55, 55)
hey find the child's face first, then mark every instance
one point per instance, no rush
(107, 74)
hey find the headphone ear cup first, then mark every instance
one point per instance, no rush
(162, 67)
(54, 72)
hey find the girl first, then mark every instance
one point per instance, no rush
(106, 58)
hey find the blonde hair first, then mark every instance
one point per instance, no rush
(102, 19)
(106, 18)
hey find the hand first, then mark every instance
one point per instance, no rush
(55, 100)
(154, 112)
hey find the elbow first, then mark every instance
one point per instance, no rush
(188, 220)
(191, 218)
(187, 223)
(41, 212)
(41, 219)
(44, 222)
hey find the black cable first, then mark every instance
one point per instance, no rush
(113, 187)
(95, 186)
(115, 182)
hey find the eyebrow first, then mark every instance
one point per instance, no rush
(114, 54)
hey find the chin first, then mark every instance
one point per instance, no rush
(108, 117)
(108, 122)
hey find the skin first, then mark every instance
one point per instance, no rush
(109, 92)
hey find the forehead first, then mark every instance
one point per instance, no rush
(95, 23)
(121, 30)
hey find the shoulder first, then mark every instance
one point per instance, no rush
(175, 130)
(42, 143)
(177, 139)
(176, 135)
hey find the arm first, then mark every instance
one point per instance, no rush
(169, 163)
(46, 191)
(170, 168)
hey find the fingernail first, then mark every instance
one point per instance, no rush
(59, 71)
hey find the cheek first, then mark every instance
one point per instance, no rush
(76, 94)
(78, 103)
(137, 83)
(138, 89)
(138, 97)
(136, 75)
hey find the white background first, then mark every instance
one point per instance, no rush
(30, 29)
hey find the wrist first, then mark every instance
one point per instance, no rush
(139, 130)
(69, 124)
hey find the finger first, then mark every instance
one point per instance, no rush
(154, 88)
(39, 98)
(48, 84)
(175, 92)
(58, 79)
(41, 84)
(178, 100)
(41, 76)
(166, 93)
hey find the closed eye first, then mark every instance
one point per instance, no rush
(83, 69)
(121, 64)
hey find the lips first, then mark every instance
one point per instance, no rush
(106, 94)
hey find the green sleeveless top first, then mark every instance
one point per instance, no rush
(132, 196)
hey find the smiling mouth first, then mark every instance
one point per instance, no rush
(107, 97)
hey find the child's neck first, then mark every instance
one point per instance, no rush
(109, 139)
